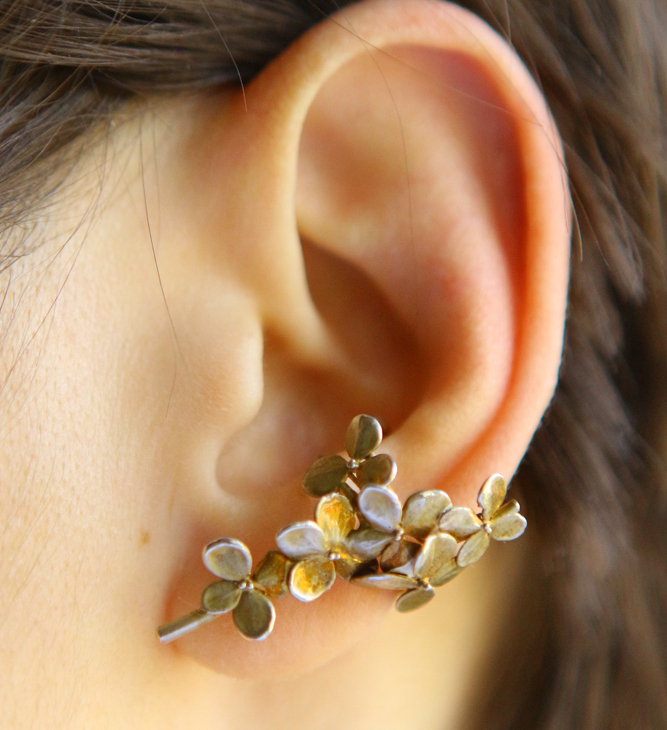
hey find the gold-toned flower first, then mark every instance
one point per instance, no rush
(331, 473)
(497, 520)
(246, 595)
(395, 534)
(319, 548)
(434, 566)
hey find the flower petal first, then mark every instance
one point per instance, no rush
(379, 469)
(381, 507)
(367, 543)
(446, 573)
(325, 475)
(508, 524)
(254, 616)
(221, 596)
(272, 574)
(398, 553)
(363, 436)
(310, 578)
(301, 540)
(346, 566)
(460, 522)
(387, 581)
(336, 518)
(438, 550)
(422, 510)
(347, 491)
(228, 558)
(414, 599)
(492, 495)
(473, 548)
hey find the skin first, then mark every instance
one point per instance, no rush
(307, 263)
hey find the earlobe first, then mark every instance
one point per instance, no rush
(396, 209)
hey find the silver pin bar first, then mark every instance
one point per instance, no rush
(185, 624)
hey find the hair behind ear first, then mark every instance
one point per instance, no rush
(593, 644)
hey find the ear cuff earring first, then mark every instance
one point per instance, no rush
(361, 533)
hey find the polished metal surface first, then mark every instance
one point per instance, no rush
(183, 625)
(360, 533)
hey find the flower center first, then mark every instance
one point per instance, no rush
(333, 556)
(487, 528)
(245, 585)
(398, 534)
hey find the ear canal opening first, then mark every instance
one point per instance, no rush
(369, 330)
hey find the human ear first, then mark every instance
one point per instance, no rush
(388, 199)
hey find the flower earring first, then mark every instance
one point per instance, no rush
(361, 533)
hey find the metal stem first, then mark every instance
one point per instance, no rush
(185, 624)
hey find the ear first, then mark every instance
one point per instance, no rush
(390, 197)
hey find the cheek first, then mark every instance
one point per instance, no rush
(77, 532)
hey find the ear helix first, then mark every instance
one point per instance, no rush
(361, 533)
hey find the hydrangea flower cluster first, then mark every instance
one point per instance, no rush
(361, 533)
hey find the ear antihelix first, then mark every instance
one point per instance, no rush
(429, 163)
(360, 533)
(418, 151)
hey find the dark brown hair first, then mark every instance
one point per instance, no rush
(589, 646)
